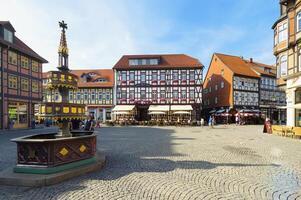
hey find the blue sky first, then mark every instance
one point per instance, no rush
(100, 31)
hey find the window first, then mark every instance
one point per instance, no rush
(154, 61)
(283, 66)
(133, 62)
(24, 84)
(143, 77)
(123, 76)
(162, 94)
(175, 94)
(154, 94)
(191, 75)
(275, 37)
(299, 21)
(12, 81)
(191, 93)
(282, 35)
(132, 76)
(86, 96)
(8, 35)
(101, 80)
(222, 84)
(56, 97)
(299, 61)
(183, 94)
(35, 86)
(70, 96)
(100, 96)
(123, 94)
(216, 87)
(78, 96)
(108, 96)
(93, 96)
(183, 75)
(154, 75)
(132, 94)
(24, 62)
(175, 75)
(12, 58)
(215, 100)
(162, 76)
(142, 94)
(298, 96)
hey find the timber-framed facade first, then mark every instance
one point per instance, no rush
(144, 80)
(21, 79)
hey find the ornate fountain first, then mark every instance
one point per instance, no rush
(56, 152)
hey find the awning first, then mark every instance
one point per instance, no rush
(221, 111)
(182, 112)
(123, 108)
(158, 108)
(121, 113)
(212, 111)
(157, 113)
(181, 107)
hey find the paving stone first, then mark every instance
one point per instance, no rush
(227, 162)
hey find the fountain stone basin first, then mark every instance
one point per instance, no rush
(46, 154)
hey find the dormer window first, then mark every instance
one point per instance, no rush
(151, 61)
(8, 35)
(91, 74)
(101, 80)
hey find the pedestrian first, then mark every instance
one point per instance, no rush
(213, 121)
(236, 119)
(202, 122)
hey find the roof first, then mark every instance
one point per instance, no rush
(237, 65)
(263, 69)
(108, 74)
(167, 61)
(20, 46)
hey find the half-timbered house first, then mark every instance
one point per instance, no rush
(20, 79)
(233, 84)
(146, 80)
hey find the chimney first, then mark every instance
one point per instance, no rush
(251, 60)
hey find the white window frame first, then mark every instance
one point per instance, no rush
(298, 21)
(283, 66)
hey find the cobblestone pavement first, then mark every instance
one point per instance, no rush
(226, 162)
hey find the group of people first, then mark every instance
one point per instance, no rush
(239, 120)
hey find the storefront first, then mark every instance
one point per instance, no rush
(18, 115)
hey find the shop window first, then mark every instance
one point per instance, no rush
(12, 81)
(35, 66)
(12, 58)
(24, 84)
(298, 118)
(24, 62)
(18, 114)
(35, 86)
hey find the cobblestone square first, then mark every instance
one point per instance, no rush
(227, 162)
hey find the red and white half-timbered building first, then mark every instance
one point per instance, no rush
(147, 80)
